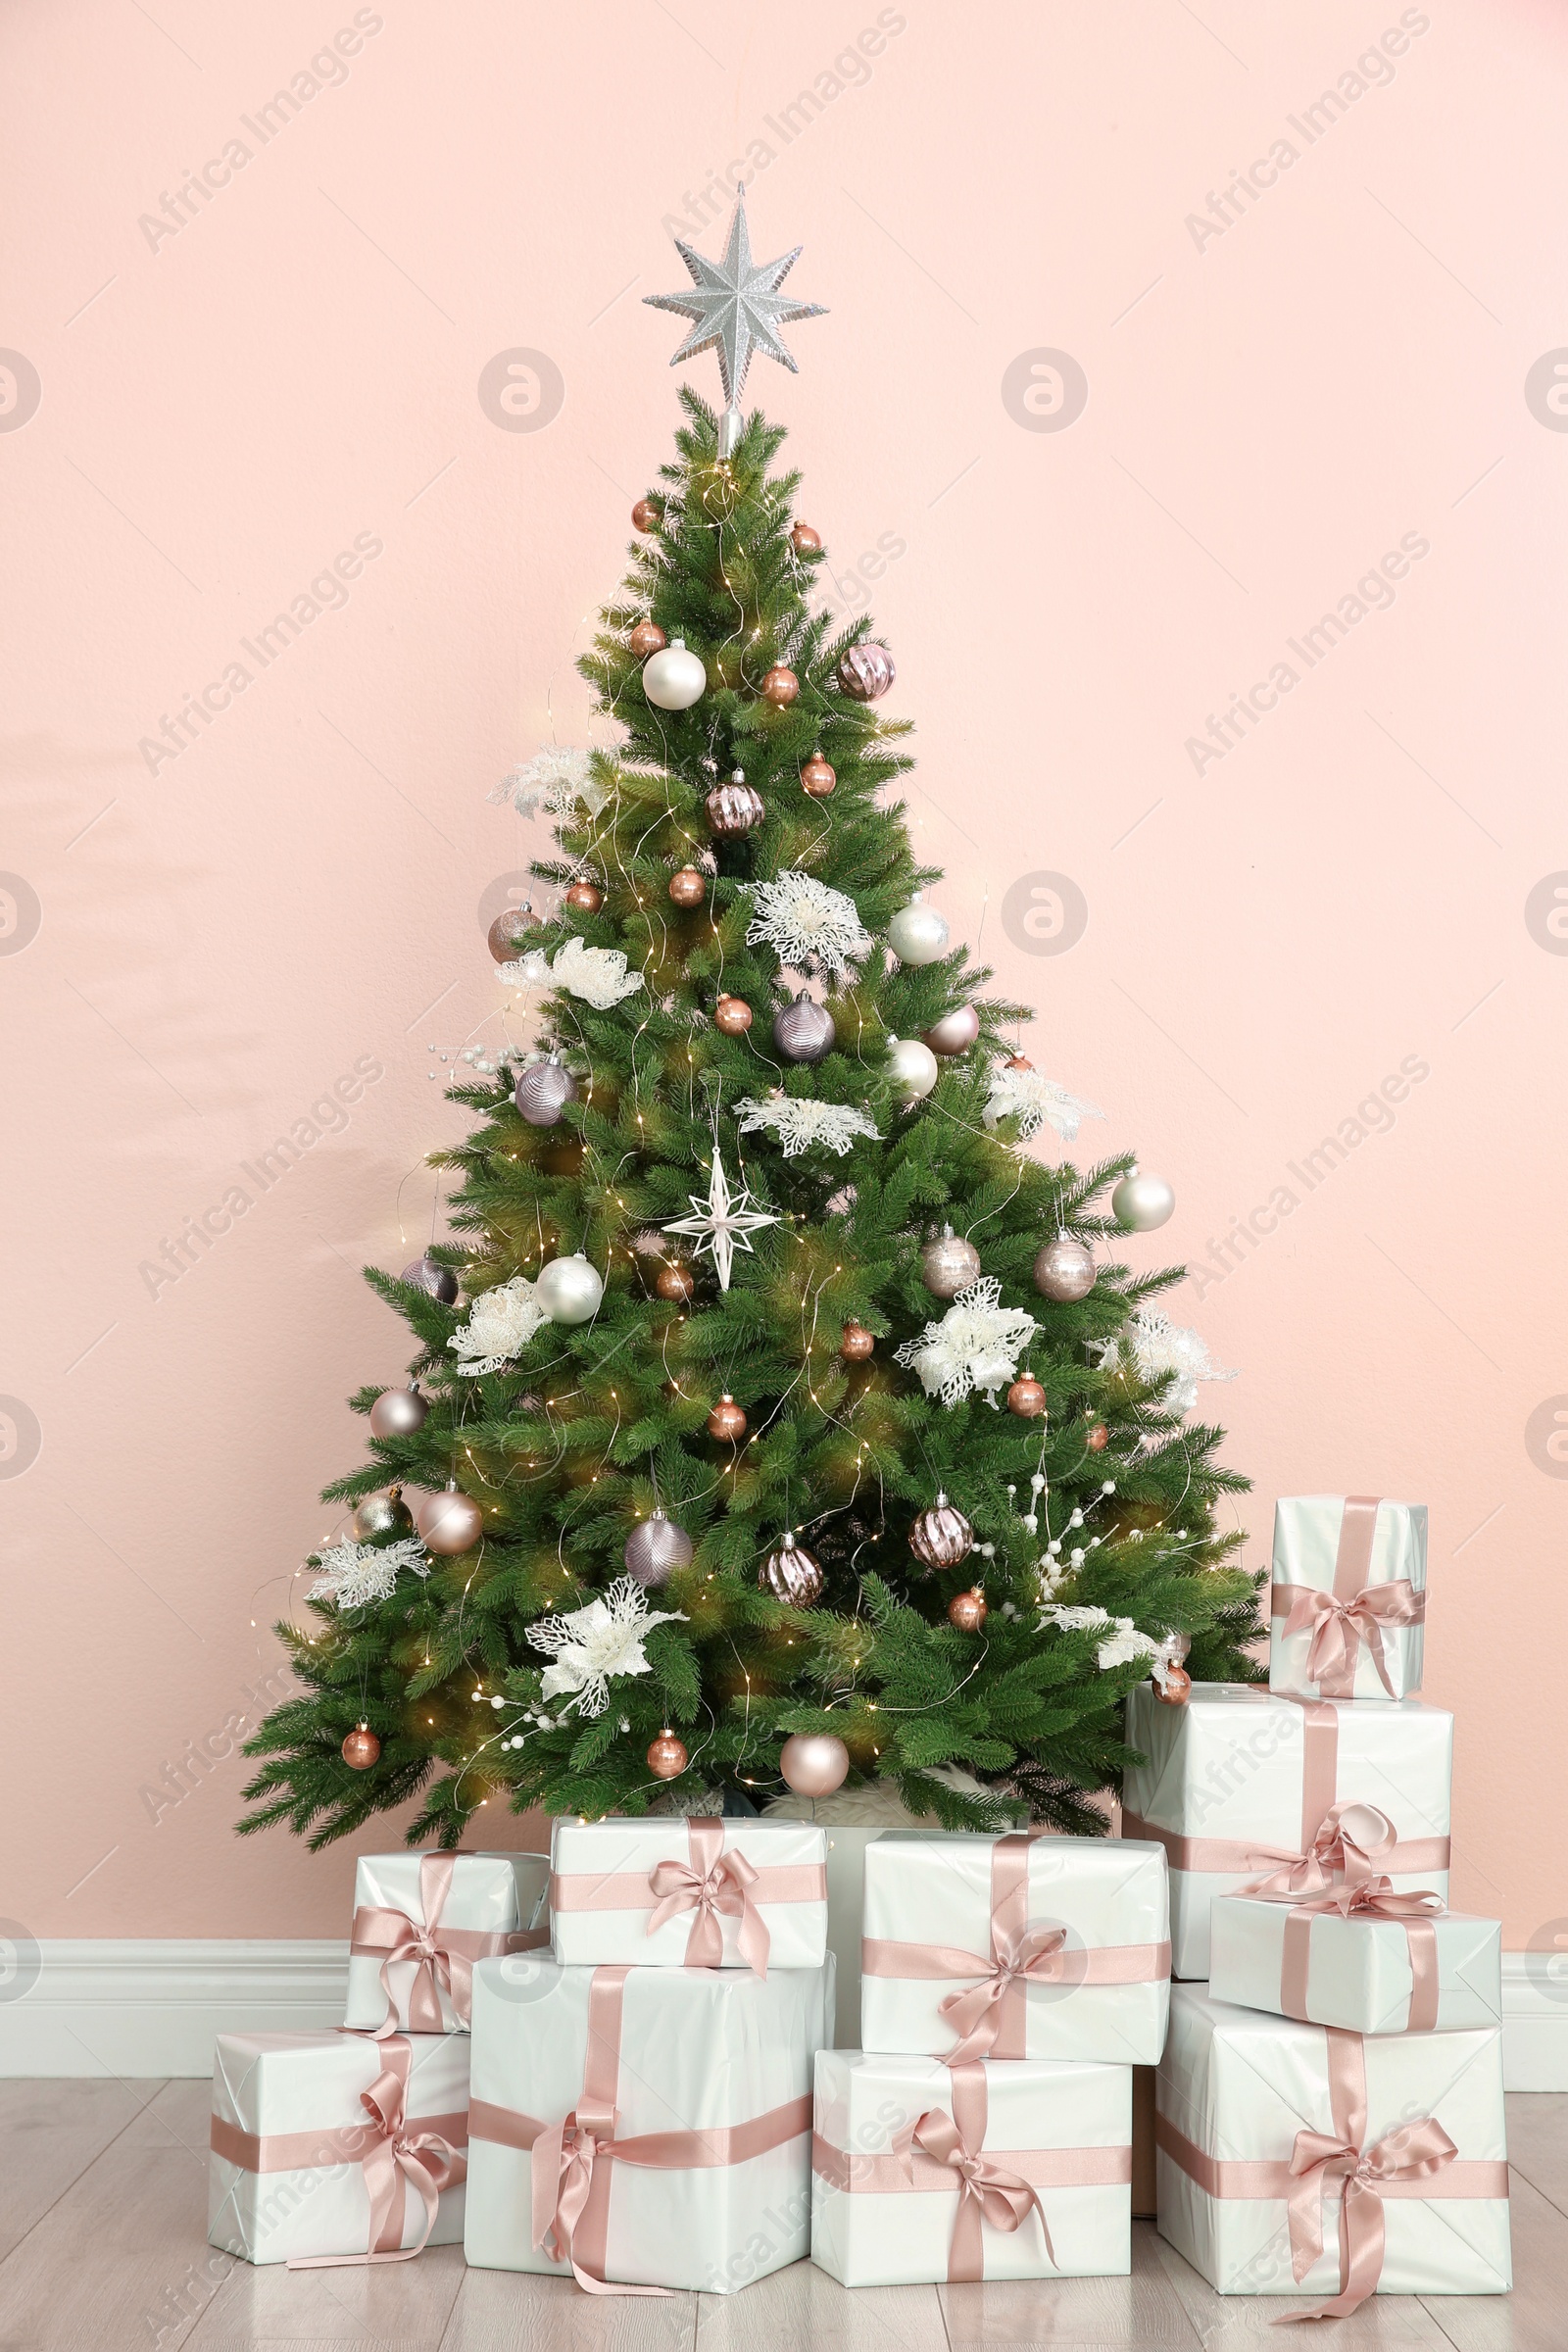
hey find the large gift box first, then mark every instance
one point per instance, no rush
(644, 2127)
(1021, 2168)
(1349, 1597)
(1359, 1956)
(337, 2147)
(1300, 2159)
(1015, 1947)
(691, 1892)
(1246, 1787)
(420, 1922)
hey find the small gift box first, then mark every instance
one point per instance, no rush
(643, 2126)
(1015, 1947)
(1300, 2159)
(1359, 1956)
(921, 2171)
(420, 1922)
(332, 2149)
(1256, 1791)
(1349, 1599)
(691, 1892)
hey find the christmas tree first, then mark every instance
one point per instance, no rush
(784, 1419)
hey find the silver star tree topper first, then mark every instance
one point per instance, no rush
(723, 1223)
(737, 309)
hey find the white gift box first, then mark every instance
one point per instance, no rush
(302, 2168)
(1349, 1577)
(1068, 1938)
(1360, 1971)
(421, 1921)
(1234, 2092)
(1242, 1784)
(686, 2159)
(890, 2206)
(688, 1892)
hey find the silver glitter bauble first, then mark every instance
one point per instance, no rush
(956, 1032)
(803, 1030)
(1142, 1202)
(673, 679)
(543, 1091)
(913, 1067)
(438, 1282)
(398, 1412)
(1064, 1269)
(865, 672)
(450, 1522)
(655, 1548)
(918, 933)
(507, 935)
(383, 1515)
(792, 1573)
(570, 1290)
(948, 1266)
(941, 1536)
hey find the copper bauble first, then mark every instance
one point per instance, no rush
(792, 1573)
(543, 1091)
(436, 1281)
(956, 1032)
(735, 808)
(398, 1412)
(675, 1283)
(647, 638)
(655, 1548)
(803, 1031)
(1097, 1437)
(733, 1016)
(383, 1515)
(1027, 1398)
(948, 1266)
(865, 672)
(646, 514)
(507, 935)
(941, 1536)
(1176, 1687)
(450, 1522)
(667, 1757)
(968, 1611)
(1018, 1061)
(857, 1344)
(688, 888)
(1064, 1268)
(805, 540)
(727, 1420)
(819, 777)
(586, 896)
(360, 1749)
(780, 687)
(813, 1763)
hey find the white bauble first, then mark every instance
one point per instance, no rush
(673, 679)
(570, 1290)
(913, 1067)
(917, 933)
(1142, 1202)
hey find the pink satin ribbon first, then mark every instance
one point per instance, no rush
(392, 2149)
(1366, 1898)
(441, 1956)
(573, 2159)
(1354, 1613)
(711, 1884)
(1413, 2160)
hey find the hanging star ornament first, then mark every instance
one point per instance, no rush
(721, 1224)
(737, 309)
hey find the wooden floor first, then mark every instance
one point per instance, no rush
(103, 2203)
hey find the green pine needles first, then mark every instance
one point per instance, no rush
(1104, 1508)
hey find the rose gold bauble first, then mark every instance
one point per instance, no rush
(647, 638)
(398, 1412)
(586, 896)
(646, 514)
(360, 1749)
(867, 672)
(667, 1757)
(1027, 1398)
(733, 1016)
(450, 1522)
(813, 1763)
(941, 1536)
(968, 1611)
(675, 1283)
(805, 540)
(949, 1265)
(1064, 1268)
(1176, 1688)
(956, 1032)
(734, 808)
(792, 1573)
(857, 1344)
(1018, 1061)
(818, 777)
(688, 888)
(1097, 1438)
(507, 935)
(780, 687)
(727, 1420)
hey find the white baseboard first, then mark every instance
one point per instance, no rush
(134, 2007)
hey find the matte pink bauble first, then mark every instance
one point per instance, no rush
(814, 1763)
(450, 1522)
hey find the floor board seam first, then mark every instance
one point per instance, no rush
(158, 2084)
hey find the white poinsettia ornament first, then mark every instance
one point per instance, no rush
(1152, 1345)
(594, 1645)
(807, 922)
(557, 779)
(1123, 1641)
(1035, 1101)
(597, 975)
(974, 1349)
(353, 1574)
(800, 1123)
(525, 971)
(501, 1323)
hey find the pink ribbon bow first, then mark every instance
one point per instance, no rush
(443, 1957)
(1037, 1958)
(987, 2192)
(1335, 1855)
(710, 1884)
(1340, 1626)
(1410, 2152)
(395, 2156)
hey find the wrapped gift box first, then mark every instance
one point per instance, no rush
(649, 2127)
(1349, 1597)
(688, 1893)
(1298, 2159)
(336, 2146)
(1015, 1947)
(1241, 1786)
(420, 1922)
(1013, 2168)
(1359, 1957)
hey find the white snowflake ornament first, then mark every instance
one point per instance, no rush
(598, 1644)
(722, 1223)
(597, 975)
(1035, 1101)
(501, 1323)
(353, 1574)
(975, 1348)
(799, 1124)
(1152, 1345)
(805, 921)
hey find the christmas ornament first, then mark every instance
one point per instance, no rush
(557, 778)
(974, 1349)
(501, 1323)
(675, 1283)
(721, 1224)
(803, 1030)
(398, 1412)
(941, 1536)
(799, 1123)
(673, 679)
(780, 687)
(956, 1032)
(596, 1644)
(803, 540)
(727, 1420)
(1020, 1093)
(948, 1266)
(597, 975)
(792, 1573)
(688, 888)
(1097, 1438)
(450, 1522)
(733, 809)
(1151, 1345)
(383, 1515)
(507, 935)
(645, 515)
(968, 1611)
(917, 933)
(1027, 1398)
(569, 1288)
(543, 1091)
(361, 1748)
(1174, 1686)
(1141, 1203)
(733, 1016)
(585, 897)
(813, 1763)
(1018, 1061)
(865, 672)
(1064, 1268)
(436, 1281)
(819, 777)
(647, 638)
(353, 1573)
(655, 1548)
(1124, 1645)
(913, 1067)
(805, 921)
(857, 1344)
(736, 308)
(667, 1757)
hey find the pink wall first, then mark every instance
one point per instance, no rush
(1345, 894)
